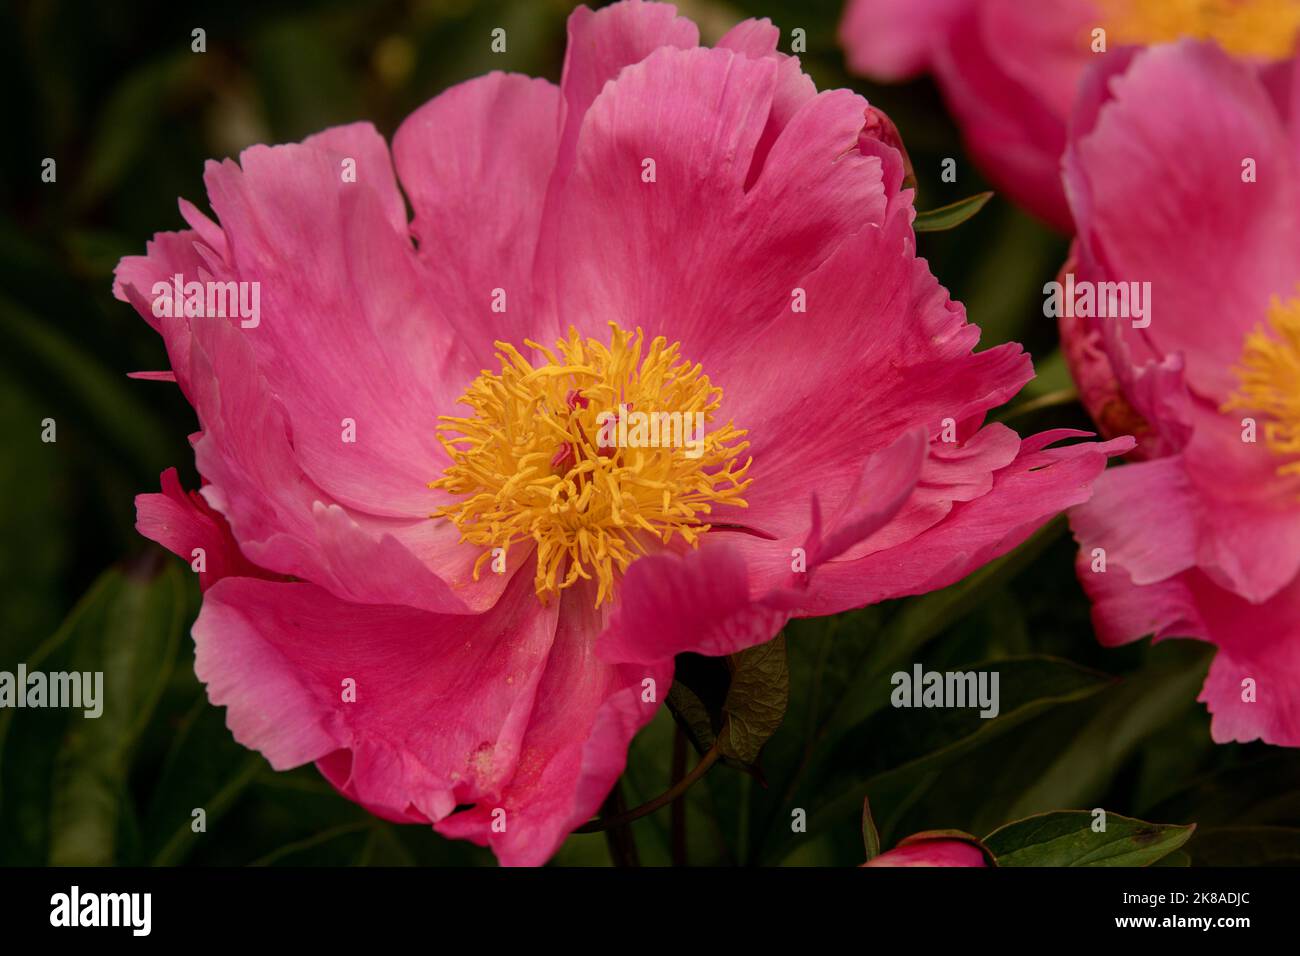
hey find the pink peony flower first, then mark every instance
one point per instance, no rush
(1185, 172)
(935, 848)
(1010, 70)
(455, 588)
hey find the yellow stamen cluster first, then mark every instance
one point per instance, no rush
(1270, 381)
(530, 464)
(1261, 29)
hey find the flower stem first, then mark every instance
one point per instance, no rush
(621, 842)
(679, 805)
(665, 798)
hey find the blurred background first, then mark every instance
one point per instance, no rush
(113, 93)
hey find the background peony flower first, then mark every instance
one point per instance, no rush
(499, 706)
(937, 848)
(1010, 70)
(1202, 536)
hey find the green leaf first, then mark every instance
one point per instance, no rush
(692, 715)
(822, 656)
(124, 422)
(906, 742)
(39, 547)
(870, 835)
(848, 660)
(1064, 396)
(697, 697)
(1004, 258)
(1075, 755)
(384, 848)
(1051, 374)
(1085, 756)
(1246, 846)
(1066, 838)
(737, 702)
(127, 629)
(129, 632)
(129, 122)
(756, 700)
(1261, 792)
(900, 737)
(922, 619)
(952, 215)
(338, 846)
(205, 769)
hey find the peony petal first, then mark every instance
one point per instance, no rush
(1123, 612)
(892, 40)
(441, 703)
(697, 602)
(585, 715)
(1039, 484)
(283, 521)
(340, 281)
(476, 162)
(915, 371)
(166, 255)
(757, 39)
(735, 590)
(724, 258)
(1245, 512)
(1188, 107)
(1257, 642)
(601, 44)
(183, 522)
(1010, 125)
(1141, 517)
(933, 852)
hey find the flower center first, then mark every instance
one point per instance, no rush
(1270, 381)
(1265, 29)
(592, 455)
